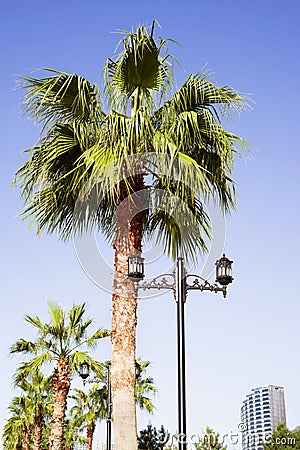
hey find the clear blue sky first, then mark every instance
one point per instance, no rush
(234, 345)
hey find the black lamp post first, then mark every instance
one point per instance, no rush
(178, 282)
(84, 373)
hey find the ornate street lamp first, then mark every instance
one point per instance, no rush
(178, 282)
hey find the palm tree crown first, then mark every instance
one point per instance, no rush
(180, 142)
(62, 337)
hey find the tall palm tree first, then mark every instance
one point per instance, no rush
(176, 139)
(38, 391)
(59, 342)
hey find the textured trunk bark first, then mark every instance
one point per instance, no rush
(27, 439)
(123, 337)
(89, 437)
(38, 429)
(61, 386)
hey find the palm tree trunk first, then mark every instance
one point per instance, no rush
(123, 336)
(89, 436)
(38, 429)
(27, 439)
(61, 387)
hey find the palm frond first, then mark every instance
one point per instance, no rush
(61, 96)
(75, 317)
(23, 346)
(138, 70)
(99, 334)
(199, 92)
(35, 363)
(36, 322)
(177, 219)
(145, 388)
(57, 314)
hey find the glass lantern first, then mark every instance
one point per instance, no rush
(136, 267)
(224, 271)
(84, 370)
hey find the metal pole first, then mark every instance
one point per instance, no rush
(108, 412)
(180, 297)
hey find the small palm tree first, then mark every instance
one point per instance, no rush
(13, 433)
(19, 426)
(38, 390)
(72, 433)
(89, 408)
(59, 342)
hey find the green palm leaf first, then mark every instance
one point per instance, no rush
(60, 96)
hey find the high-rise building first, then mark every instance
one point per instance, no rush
(261, 412)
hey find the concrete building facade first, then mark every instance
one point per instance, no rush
(261, 412)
